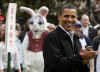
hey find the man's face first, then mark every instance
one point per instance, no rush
(85, 21)
(68, 18)
(78, 30)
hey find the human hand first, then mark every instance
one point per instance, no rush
(89, 48)
(88, 54)
(1, 70)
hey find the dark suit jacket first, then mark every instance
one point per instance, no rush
(60, 54)
(96, 42)
(92, 33)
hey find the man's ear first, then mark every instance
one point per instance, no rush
(58, 17)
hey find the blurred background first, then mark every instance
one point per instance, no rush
(83, 6)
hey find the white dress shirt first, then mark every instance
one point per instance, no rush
(70, 34)
(85, 31)
(83, 43)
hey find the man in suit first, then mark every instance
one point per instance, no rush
(87, 30)
(61, 49)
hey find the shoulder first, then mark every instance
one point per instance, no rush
(51, 35)
(56, 32)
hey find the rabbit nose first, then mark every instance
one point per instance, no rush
(36, 31)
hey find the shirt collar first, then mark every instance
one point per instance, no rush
(66, 30)
(85, 27)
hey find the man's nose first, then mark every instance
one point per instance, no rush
(69, 18)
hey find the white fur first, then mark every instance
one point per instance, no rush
(28, 10)
(35, 15)
(30, 58)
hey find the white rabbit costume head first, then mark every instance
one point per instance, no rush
(38, 18)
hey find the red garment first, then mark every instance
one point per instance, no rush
(35, 45)
(1, 17)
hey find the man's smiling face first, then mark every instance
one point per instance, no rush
(68, 18)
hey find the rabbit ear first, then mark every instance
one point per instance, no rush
(27, 10)
(45, 9)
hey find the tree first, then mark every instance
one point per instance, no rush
(53, 5)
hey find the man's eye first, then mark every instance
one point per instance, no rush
(67, 16)
(73, 16)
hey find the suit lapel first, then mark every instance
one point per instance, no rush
(65, 39)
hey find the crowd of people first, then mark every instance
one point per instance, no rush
(44, 47)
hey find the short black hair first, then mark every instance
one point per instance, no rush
(69, 6)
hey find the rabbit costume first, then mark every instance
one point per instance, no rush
(32, 43)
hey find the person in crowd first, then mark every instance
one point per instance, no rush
(62, 50)
(87, 30)
(83, 40)
(15, 61)
(19, 45)
(97, 61)
(33, 41)
(96, 43)
(96, 39)
(25, 28)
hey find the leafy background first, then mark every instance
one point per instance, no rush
(83, 6)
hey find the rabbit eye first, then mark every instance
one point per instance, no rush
(40, 21)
